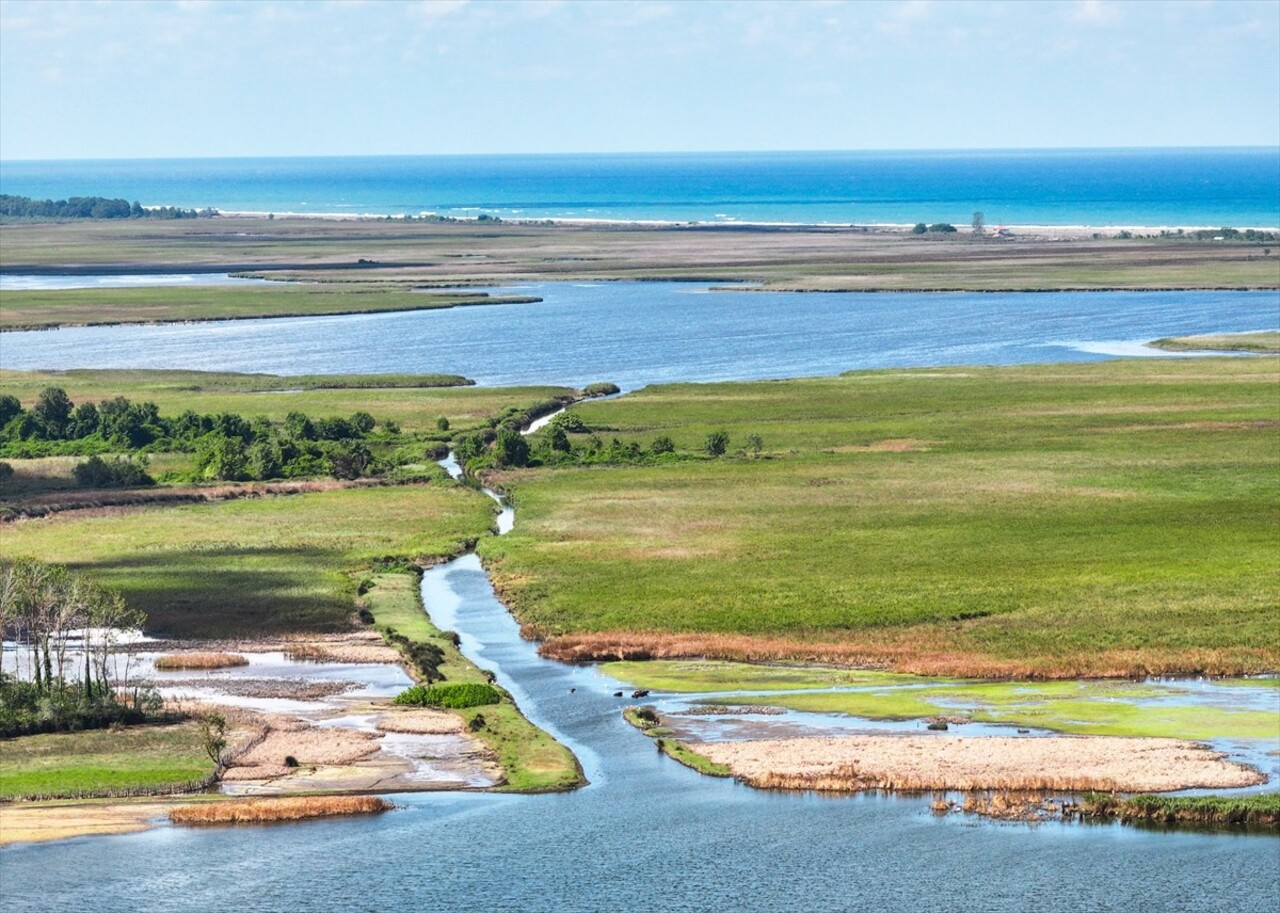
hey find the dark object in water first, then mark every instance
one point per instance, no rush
(939, 725)
(639, 694)
(617, 694)
(1024, 732)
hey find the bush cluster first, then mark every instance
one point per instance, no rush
(453, 695)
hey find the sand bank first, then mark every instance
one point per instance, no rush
(919, 762)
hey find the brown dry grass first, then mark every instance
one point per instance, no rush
(420, 722)
(915, 763)
(310, 747)
(920, 650)
(277, 809)
(200, 661)
(343, 653)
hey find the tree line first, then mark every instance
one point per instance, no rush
(228, 447)
(17, 207)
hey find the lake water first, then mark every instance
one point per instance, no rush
(640, 333)
(1206, 187)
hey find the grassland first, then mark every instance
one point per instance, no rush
(138, 759)
(1111, 519)
(35, 310)
(1263, 343)
(532, 760)
(830, 258)
(267, 565)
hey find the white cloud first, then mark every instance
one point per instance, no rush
(1095, 12)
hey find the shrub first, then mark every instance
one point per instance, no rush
(601, 389)
(717, 443)
(944, 227)
(919, 229)
(662, 444)
(453, 695)
(96, 472)
(571, 423)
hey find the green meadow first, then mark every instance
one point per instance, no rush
(255, 566)
(1114, 518)
(102, 761)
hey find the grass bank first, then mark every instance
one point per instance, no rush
(1264, 343)
(1109, 519)
(1256, 811)
(533, 761)
(142, 760)
(35, 310)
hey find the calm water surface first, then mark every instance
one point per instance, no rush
(639, 333)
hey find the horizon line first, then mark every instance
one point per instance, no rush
(699, 152)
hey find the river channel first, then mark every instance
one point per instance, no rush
(647, 833)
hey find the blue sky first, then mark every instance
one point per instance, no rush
(225, 78)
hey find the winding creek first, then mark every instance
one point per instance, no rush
(647, 833)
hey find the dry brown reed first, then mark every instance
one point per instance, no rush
(200, 661)
(925, 650)
(277, 809)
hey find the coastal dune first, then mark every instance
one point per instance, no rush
(920, 763)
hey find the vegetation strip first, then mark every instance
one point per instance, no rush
(491, 253)
(256, 811)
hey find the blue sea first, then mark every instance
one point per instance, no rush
(1237, 187)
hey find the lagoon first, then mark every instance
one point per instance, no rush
(635, 333)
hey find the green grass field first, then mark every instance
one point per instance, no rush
(255, 566)
(1060, 520)
(102, 762)
(25, 310)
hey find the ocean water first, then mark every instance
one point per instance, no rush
(1154, 187)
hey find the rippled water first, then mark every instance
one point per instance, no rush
(640, 333)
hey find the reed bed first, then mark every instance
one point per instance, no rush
(174, 661)
(253, 811)
(910, 763)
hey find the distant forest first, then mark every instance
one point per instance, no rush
(15, 207)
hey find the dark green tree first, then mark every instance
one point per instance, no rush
(53, 408)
